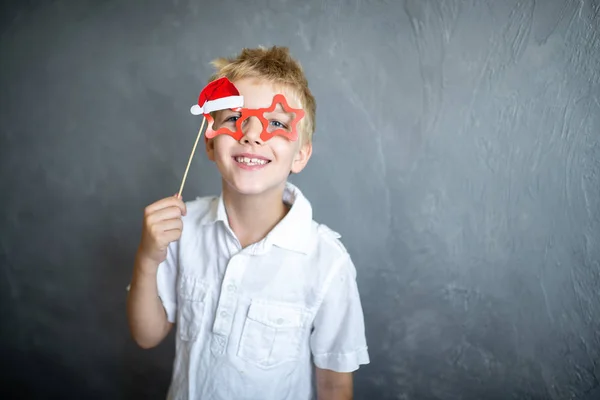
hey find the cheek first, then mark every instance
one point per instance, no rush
(285, 150)
(222, 146)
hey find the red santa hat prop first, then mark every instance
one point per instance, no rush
(220, 94)
(217, 95)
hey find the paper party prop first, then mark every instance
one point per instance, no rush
(218, 95)
(282, 120)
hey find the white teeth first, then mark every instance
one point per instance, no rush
(250, 161)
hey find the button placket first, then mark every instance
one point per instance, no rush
(228, 298)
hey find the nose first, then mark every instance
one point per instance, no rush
(251, 129)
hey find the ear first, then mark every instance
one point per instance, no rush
(210, 149)
(302, 156)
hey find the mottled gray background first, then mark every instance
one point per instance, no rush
(457, 151)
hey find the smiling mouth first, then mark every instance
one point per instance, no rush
(251, 161)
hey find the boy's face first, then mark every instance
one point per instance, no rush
(260, 157)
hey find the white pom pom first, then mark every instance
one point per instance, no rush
(196, 109)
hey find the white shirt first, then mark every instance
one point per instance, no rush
(252, 323)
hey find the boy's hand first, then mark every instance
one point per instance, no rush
(162, 225)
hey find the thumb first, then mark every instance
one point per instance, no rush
(183, 206)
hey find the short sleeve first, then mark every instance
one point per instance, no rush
(166, 281)
(338, 340)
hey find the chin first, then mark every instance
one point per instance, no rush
(254, 186)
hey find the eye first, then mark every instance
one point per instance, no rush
(278, 124)
(232, 118)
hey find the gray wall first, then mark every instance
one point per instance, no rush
(457, 152)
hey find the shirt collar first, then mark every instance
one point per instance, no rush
(293, 232)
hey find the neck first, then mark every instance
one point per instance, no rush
(251, 217)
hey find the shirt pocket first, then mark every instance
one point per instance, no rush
(272, 334)
(192, 294)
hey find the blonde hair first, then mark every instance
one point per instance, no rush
(274, 65)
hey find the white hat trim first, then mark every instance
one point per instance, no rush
(218, 104)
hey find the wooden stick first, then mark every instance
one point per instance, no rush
(191, 156)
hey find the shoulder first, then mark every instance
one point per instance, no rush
(200, 210)
(329, 239)
(329, 249)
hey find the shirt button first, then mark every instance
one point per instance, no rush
(231, 288)
(280, 321)
(223, 314)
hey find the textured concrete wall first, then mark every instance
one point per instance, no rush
(457, 152)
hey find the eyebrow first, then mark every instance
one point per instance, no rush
(279, 109)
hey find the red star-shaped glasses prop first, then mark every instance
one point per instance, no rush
(291, 133)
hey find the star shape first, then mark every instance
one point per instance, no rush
(291, 134)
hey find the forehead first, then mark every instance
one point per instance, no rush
(259, 93)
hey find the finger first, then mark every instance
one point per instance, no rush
(165, 203)
(159, 205)
(180, 203)
(169, 236)
(163, 214)
(182, 206)
(170, 224)
(160, 230)
(172, 235)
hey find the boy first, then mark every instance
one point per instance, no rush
(264, 299)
